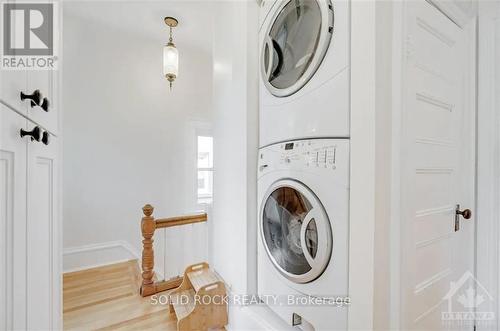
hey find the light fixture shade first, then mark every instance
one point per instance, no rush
(170, 61)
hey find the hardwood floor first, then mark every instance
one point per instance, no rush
(107, 298)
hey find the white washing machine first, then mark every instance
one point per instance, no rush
(304, 69)
(303, 221)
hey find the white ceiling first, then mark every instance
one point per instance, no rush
(146, 18)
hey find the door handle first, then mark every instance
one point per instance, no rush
(466, 214)
(45, 104)
(35, 134)
(35, 97)
(36, 100)
(46, 138)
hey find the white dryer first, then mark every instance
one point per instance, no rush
(304, 69)
(303, 199)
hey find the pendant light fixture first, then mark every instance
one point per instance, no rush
(170, 54)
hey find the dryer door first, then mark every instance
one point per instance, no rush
(295, 43)
(295, 231)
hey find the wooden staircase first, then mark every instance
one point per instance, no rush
(200, 301)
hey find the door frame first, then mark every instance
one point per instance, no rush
(469, 24)
(488, 156)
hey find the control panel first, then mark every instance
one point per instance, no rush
(311, 153)
(308, 152)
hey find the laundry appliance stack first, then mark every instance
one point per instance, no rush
(303, 173)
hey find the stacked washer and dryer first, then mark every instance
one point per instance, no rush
(303, 179)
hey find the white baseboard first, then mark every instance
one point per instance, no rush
(96, 255)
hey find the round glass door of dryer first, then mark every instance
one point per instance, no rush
(295, 45)
(296, 231)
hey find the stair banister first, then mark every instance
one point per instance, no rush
(148, 227)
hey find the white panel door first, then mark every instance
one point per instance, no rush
(12, 221)
(43, 279)
(438, 168)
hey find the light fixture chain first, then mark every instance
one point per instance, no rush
(170, 39)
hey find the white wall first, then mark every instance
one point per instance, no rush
(236, 141)
(128, 139)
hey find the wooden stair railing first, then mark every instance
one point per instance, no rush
(148, 227)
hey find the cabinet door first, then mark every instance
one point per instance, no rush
(12, 221)
(43, 233)
(46, 81)
(13, 82)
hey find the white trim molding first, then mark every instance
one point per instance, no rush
(96, 255)
(488, 157)
(363, 158)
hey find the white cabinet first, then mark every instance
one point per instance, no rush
(43, 274)
(30, 230)
(14, 81)
(13, 185)
(30, 275)
(11, 85)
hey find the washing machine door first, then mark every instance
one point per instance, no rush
(295, 231)
(295, 43)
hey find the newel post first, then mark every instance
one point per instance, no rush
(148, 229)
